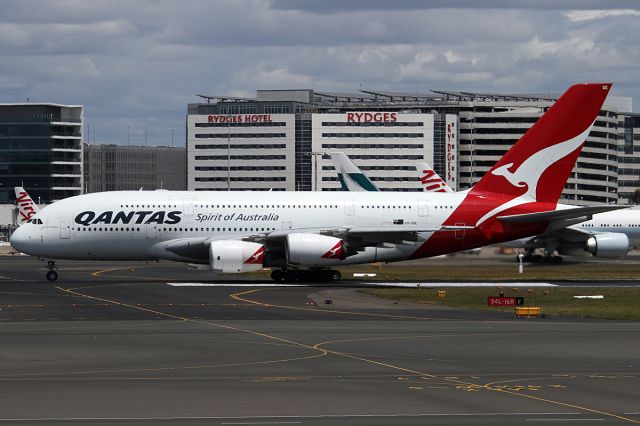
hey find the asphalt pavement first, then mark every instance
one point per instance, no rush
(116, 344)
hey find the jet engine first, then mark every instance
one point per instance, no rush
(231, 256)
(314, 250)
(610, 245)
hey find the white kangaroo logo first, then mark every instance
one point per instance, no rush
(529, 172)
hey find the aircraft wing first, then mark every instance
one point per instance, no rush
(584, 213)
(357, 238)
(568, 235)
(360, 237)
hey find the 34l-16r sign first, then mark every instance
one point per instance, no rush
(505, 301)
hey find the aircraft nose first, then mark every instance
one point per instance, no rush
(20, 239)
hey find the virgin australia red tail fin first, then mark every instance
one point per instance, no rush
(26, 206)
(538, 165)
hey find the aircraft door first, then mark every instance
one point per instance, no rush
(65, 230)
(460, 233)
(423, 208)
(349, 208)
(151, 231)
(188, 206)
(287, 225)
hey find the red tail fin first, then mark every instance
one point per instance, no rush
(538, 165)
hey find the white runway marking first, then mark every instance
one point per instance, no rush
(459, 284)
(257, 284)
(286, 417)
(371, 284)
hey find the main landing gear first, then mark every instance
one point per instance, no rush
(52, 275)
(529, 257)
(307, 275)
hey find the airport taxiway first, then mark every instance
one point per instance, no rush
(115, 344)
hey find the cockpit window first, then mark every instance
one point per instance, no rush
(35, 221)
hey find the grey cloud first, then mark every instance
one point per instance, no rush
(137, 64)
(336, 6)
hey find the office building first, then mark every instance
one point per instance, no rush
(122, 168)
(461, 134)
(628, 154)
(41, 150)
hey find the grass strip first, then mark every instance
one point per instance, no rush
(618, 303)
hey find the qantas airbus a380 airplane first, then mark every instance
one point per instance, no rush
(294, 231)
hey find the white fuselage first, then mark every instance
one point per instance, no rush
(618, 221)
(621, 221)
(128, 225)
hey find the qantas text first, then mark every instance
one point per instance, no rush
(113, 218)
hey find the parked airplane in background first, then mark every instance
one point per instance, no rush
(432, 181)
(620, 228)
(350, 176)
(292, 231)
(26, 207)
(608, 234)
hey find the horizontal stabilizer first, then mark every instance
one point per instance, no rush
(557, 215)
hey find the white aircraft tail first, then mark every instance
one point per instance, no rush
(26, 207)
(350, 176)
(430, 180)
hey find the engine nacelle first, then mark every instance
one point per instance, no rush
(314, 250)
(230, 256)
(610, 245)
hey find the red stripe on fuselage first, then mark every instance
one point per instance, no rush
(491, 231)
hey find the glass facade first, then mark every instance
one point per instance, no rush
(41, 150)
(303, 150)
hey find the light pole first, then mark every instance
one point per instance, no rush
(315, 167)
(172, 129)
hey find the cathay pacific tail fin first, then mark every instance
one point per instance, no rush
(350, 176)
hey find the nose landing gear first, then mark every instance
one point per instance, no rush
(52, 275)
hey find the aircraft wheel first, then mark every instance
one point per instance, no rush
(290, 276)
(335, 275)
(52, 275)
(307, 276)
(558, 259)
(277, 275)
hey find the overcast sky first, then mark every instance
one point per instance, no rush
(138, 64)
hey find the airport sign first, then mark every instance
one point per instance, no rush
(505, 301)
